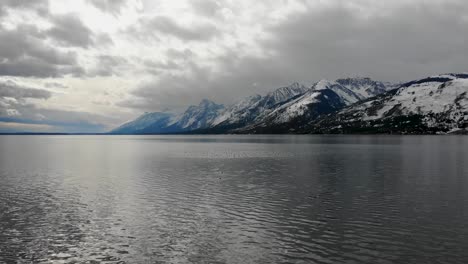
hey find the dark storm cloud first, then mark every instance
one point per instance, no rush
(24, 52)
(239, 77)
(110, 6)
(12, 89)
(162, 25)
(401, 43)
(70, 30)
(34, 67)
(407, 42)
(27, 41)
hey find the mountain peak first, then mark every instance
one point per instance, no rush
(295, 85)
(290, 107)
(283, 94)
(323, 84)
(355, 79)
(205, 102)
(198, 116)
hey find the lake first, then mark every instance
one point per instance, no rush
(234, 199)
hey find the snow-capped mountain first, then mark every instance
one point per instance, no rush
(195, 117)
(297, 113)
(282, 94)
(436, 104)
(254, 107)
(238, 112)
(156, 121)
(364, 87)
(324, 97)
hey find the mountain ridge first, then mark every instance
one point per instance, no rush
(435, 104)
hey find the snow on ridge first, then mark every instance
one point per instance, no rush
(256, 107)
(198, 116)
(279, 105)
(323, 84)
(295, 108)
(284, 93)
(427, 97)
(234, 112)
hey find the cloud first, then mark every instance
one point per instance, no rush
(400, 42)
(18, 125)
(24, 52)
(34, 67)
(163, 25)
(14, 127)
(110, 6)
(103, 40)
(174, 54)
(206, 7)
(18, 114)
(11, 89)
(57, 120)
(324, 40)
(39, 6)
(154, 55)
(13, 101)
(14, 98)
(55, 85)
(17, 106)
(108, 65)
(69, 30)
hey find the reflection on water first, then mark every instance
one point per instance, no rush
(233, 199)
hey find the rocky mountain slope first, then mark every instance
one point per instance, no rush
(195, 117)
(156, 121)
(437, 104)
(252, 108)
(324, 97)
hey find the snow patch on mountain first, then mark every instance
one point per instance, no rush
(347, 96)
(436, 104)
(196, 117)
(428, 97)
(363, 87)
(294, 108)
(295, 102)
(236, 112)
(160, 119)
(255, 107)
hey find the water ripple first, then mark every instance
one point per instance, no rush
(234, 200)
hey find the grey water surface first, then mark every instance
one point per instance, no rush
(234, 199)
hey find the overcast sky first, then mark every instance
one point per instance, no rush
(89, 65)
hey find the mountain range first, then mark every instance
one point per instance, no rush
(433, 105)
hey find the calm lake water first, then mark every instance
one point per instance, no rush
(234, 199)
